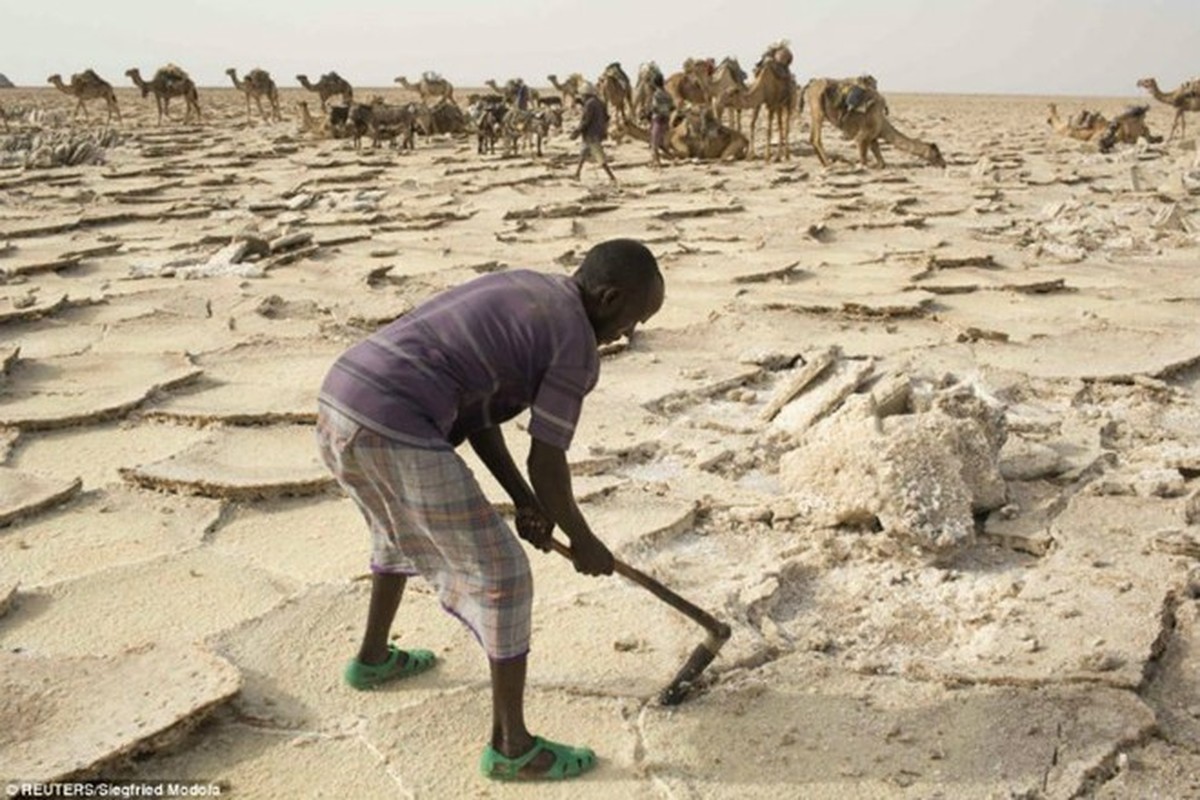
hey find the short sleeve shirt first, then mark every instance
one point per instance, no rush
(473, 357)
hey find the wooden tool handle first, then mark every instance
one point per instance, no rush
(717, 629)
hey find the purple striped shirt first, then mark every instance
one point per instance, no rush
(472, 357)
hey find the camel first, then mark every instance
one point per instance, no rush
(569, 89)
(779, 52)
(727, 77)
(1126, 128)
(1085, 126)
(616, 91)
(87, 85)
(698, 133)
(693, 84)
(310, 124)
(701, 135)
(330, 126)
(775, 88)
(258, 84)
(511, 90)
(860, 113)
(644, 90)
(1186, 97)
(327, 86)
(169, 81)
(432, 87)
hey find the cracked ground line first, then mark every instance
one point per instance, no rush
(387, 766)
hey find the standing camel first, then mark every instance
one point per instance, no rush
(569, 89)
(169, 81)
(87, 85)
(432, 87)
(258, 84)
(860, 113)
(616, 91)
(327, 86)
(1186, 97)
(775, 88)
(692, 84)
(643, 91)
(726, 78)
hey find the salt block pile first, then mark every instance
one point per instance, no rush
(922, 473)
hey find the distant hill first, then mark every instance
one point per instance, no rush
(5, 83)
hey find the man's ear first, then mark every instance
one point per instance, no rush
(610, 297)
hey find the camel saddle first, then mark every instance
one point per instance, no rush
(779, 69)
(779, 53)
(850, 98)
(615, 72)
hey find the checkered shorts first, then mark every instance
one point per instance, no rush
(429, 517)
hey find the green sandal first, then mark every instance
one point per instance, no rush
(368, 676)
(569, 762)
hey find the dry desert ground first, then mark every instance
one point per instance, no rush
(927, 439)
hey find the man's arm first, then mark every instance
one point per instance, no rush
(585, 120)
(489, 445)
(533, 523)
(551, 478)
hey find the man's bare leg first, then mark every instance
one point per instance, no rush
(386, 591)
(509, 734)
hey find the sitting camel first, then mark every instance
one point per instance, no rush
(169, 81)
(87, 85)
(860, 113)
(258, 84)
(332, 125)
(1126, 128)
(1084, 126)
(698, 133)
(327, 86)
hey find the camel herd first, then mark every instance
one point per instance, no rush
(710, 99)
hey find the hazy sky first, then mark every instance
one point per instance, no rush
(1097, 47)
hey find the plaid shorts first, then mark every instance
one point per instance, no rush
(593, 151)
(429, 517)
